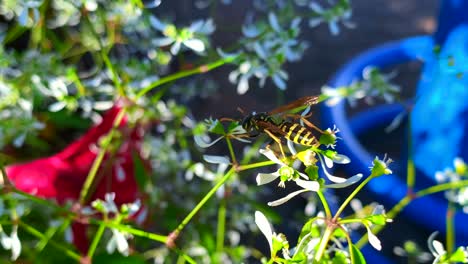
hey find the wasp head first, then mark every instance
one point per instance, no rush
(250, 122)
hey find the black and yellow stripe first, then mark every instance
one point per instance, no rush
(297, 133)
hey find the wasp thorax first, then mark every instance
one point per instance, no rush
(250, 121)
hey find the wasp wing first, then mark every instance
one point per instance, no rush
(307, 100)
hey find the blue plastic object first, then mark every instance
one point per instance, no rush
(440, 114)
(438, 87)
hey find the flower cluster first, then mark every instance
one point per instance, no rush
(339, 12)
(374, 84)
(457, 196)
(268, 47)
(193, 37)
(441, 255)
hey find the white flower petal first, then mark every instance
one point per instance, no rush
(350, 181)
(291, 147)
(15, 244)
(157, 24)
(57, 106)
(274, 22)
(286, 198)
(271, 156)
(334, 29)
(243, 85)
(111, 245)
(202, 142)
(280, 83)
(264, 178)
(19, 140)
(216, 159)
(341, 159)
(161, 42)
(438, 247)
(195, 44)
(373, 240)
(309, 185)
(332, 178)
(315, 21)
(175, 48)
(328, 162)
(250, 31)
(316, 7)
(262, 222)
(196, 25)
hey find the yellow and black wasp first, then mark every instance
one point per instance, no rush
(264, 122)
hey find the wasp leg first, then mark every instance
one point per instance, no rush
(278, 140)
(304, 119)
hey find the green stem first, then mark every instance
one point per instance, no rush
(324, 204)
(351, 197)
(50, 234)
(137, 232)
(105, 58)
(231, 150)
(441, 188)
(350, 242)
(204, 200)
(323, 243)
(96, 239)
(450, 228)
(100, 157)
(220, 231)
(6, 180)
(200, 69)
(41, 236)
(411, 171)
(255, 165)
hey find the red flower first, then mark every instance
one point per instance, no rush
(62, 175)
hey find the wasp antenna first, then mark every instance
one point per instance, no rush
(226, 119)
(240, 110)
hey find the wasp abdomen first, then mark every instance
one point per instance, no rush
(297, 133)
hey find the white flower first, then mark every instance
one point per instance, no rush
(377, 84)
(380, 166)
(286, 172)
(460, 172)
(187, 37)
(436, 247)
(373, 239)
(11, 242)
(275, 241)
(334, 15)
(118, 241)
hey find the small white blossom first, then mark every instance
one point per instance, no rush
(190, 37)
(458, 196)
(118, 241)
(11, 242)
(332, 16)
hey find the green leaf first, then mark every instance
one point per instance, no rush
(312, 172)
(217, 128)
(458, 256)
(232, 125)
(356, 255)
